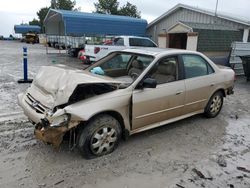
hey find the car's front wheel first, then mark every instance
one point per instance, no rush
(214, 105)
(100, 136)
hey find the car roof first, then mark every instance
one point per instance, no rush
(131, 36)
(158, 51)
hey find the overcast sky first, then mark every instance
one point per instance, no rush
(17, 11)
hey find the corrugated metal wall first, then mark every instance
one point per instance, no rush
(94, 26)
(27, 28)
(55, 28)
(74, 23)
(217, 40)
(187, 15)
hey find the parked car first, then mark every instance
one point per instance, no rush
(126, 92)
(93, 53)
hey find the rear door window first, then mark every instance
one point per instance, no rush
(195, 65)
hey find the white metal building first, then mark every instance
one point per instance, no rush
(192, 28)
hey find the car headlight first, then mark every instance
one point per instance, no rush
(49, 113)
(60, 120)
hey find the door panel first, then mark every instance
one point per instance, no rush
(200, 82)
(198, 91)
(158, 104)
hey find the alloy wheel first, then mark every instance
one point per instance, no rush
(103, 140)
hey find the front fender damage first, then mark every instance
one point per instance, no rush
(53, 128)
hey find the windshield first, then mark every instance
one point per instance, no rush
(121, 66)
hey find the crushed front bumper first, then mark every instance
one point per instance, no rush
(28, 110)
(50, 135)
(52, 131)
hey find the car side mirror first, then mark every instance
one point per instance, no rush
(149, 83)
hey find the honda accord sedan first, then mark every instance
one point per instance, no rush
(124, 93)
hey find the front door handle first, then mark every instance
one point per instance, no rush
(212, 84)
(179, 92)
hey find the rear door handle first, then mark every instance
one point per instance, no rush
(212, 84)
(179, 92)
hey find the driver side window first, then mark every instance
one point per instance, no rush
(165, 70)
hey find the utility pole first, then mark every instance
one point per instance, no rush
(216, 7)
(53, 4)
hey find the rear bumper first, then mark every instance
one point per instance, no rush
(29, 111)
(230, 91)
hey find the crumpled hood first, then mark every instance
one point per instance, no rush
(54, 85)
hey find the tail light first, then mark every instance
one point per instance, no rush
(83, 57)
(96, 50)
(234, 76)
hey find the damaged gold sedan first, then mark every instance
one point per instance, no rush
(124, 93)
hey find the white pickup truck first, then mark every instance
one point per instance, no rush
(93, 53)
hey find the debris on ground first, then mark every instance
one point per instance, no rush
(243, 169)
(179, 186)
(234, 116)
(201, 175)
(221, 161)
(59, 182)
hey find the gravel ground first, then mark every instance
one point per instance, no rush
(195, 152)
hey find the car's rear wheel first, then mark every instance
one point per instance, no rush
(100, 136)
(214, 105)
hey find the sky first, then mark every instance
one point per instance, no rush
(22, 11)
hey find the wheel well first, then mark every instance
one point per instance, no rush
(222, 91)
(115, 115)
(218, 90)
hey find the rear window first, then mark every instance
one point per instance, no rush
(119, 41)
(141, 42)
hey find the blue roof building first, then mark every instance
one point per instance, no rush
(74, 23)
(23, 29)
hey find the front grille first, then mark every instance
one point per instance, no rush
(36, 105)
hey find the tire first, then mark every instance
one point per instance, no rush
(99, 137)
(214, 105)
